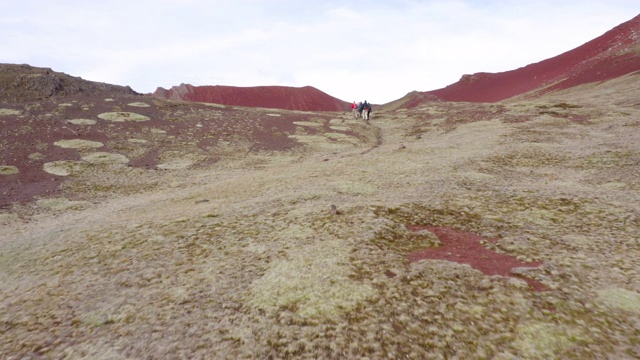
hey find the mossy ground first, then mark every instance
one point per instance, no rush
(245, 257)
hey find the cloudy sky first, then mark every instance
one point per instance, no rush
(351, 49)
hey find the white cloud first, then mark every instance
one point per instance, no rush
(349, 49)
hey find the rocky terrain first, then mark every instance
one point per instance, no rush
(134, 226)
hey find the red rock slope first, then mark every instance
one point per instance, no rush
(279, 97)
(611, 55)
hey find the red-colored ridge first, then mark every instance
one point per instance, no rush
(278, 97)
(615, 53)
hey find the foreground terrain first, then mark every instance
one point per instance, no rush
(449, 230)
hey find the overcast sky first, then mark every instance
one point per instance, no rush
(352, 50)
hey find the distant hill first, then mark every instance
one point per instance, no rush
(21, 82)
(278, 97)
(615, 53)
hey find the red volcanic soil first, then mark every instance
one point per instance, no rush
(278, 97)
(465, 248)
(611, 55)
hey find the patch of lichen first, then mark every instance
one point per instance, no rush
(581, 215)
(398, 238)
(513, 216)
(418, 214)
(8, 170)
(112, 180)
(560, 106)
(608, 159)
(527, 158)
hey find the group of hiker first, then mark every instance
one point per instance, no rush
(361, 109)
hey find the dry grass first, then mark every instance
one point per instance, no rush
(245, 258)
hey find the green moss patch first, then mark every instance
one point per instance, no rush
(9, 112)
(309, 139)
(78, 144)
(353, 188)
(61, 204)
(139, 104)
(620, 299)
(8, 170)
(530, 158)
(308, 123)
(314, 283)
(7, 218)
(83, 122)
(337, 136)
(608, 159)
(547, 341)
(63, 168)
(176, 164)
(105, 158)
(123, 116)
(36, 156)
(173, 160)
(397, 238)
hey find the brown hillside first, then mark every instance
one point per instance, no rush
(24, 82)
(277, 97)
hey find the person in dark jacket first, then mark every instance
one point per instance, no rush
(366, 110)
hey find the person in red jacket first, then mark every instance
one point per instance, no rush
(354, 110)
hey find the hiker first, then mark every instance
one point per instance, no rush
(354, 110)
(369, 109)
(360, 108)
(366, 109)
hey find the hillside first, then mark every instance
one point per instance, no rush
(615, 53)
(138, 227)
(484, 221)
(54, 126)
(19, 83)
(278, 97)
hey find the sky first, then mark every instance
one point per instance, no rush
(352, 49)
